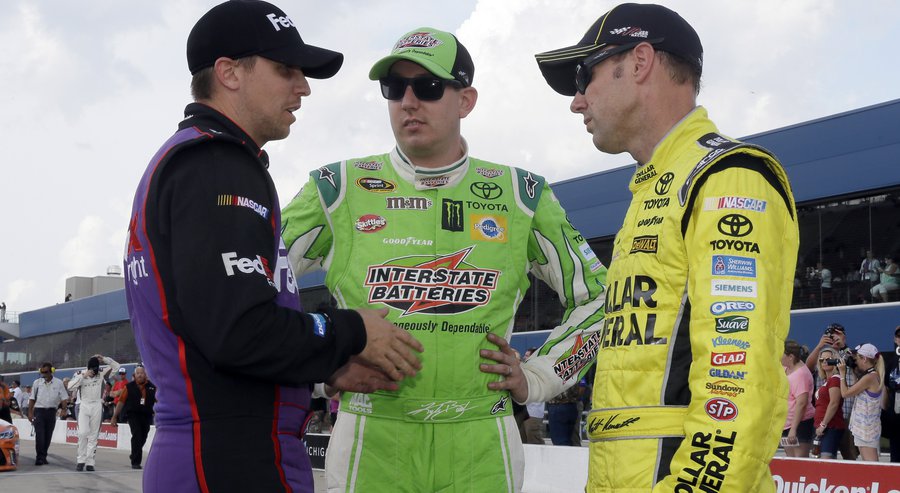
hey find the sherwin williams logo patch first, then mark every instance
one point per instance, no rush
(645, 244)
(422, 39)
(488, 228)
(370, 223)
(443, 285)
(732, 324)
(582, 353)
(238, 201)
(376, 185)
(727, 265)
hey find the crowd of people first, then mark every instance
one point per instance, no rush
(92, 396)
(874, 280)
(841, 400)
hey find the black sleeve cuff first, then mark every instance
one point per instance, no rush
(348, 324)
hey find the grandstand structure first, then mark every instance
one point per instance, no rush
(845, 174)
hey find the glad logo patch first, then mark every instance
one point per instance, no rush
(727, 359)
(444, 285)
(721, 409)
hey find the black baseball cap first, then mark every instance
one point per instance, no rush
(242, 28)
(628, 24)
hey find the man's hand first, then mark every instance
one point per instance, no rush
(356, 376)
(508, 366)
(112, 421)
(388, 347)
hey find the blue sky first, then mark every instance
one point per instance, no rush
(91, 89)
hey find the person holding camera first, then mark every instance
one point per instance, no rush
(865, 422)
(89, 384)
(829, 419)
(835, 336)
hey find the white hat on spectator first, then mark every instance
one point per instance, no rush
(867, 350)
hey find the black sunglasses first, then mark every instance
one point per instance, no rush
(583, 70)
(426, 87)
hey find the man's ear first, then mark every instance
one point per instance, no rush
(226, 73)
(642, 61)
(468, 96)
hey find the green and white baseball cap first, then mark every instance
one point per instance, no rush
(437, 51)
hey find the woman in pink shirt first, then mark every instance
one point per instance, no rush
(798, 429)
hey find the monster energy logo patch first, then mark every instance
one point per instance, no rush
(443, 285)
(452, 215)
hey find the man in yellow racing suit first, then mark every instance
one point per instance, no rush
(689, 394)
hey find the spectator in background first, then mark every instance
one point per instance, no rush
(798, 428)
(889, 281)
(2, 311)
(136, 405)
(17, 393)
(119, 386)
(824, 275)
(5, 400)
(891, 416)
(534, 421)
(90, 384)
(562, 416)
(868, 269)
(865, 422)
(43, 408)
(829, 419)
(23, 402)
(835, 336)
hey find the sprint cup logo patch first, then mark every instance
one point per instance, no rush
(443, 285)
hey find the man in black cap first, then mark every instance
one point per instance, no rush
(688, 395)
(212, 299)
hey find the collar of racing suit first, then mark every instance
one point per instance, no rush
(659, 159)
(426, 178)
(207, 119)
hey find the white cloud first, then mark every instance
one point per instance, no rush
(94, 89)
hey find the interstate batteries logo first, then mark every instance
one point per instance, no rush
(582, 352)
(443, 285)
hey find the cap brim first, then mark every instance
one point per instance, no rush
(558, 66)
(316, 63)
(383, 67)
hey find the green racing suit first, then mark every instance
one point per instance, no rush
(448, 251)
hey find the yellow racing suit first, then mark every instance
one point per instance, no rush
(689, 394)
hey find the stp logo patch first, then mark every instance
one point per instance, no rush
(721, 409)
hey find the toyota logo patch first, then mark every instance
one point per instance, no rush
(485, 190)
(735, 225)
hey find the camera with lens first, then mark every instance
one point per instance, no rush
(831, 361)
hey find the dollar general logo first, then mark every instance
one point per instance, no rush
(644, 244)
(452, 215)
(443, 285)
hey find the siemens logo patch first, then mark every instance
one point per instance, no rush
(728, 265)
(741, 289)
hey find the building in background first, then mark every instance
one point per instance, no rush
(845, 170)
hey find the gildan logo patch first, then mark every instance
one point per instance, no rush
(443, 285)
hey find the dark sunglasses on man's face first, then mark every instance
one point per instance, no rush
(426, 87)
(584, 69)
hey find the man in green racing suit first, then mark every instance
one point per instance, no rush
(445, 242)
